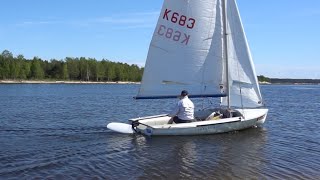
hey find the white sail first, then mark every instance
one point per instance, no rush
(185, 51)
(244, 87)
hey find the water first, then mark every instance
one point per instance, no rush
(59, 132)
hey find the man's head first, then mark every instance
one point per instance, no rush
(184, 93)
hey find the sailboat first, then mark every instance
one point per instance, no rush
(200, 46)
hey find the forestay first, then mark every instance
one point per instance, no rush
(186, 51)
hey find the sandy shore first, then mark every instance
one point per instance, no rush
(62, 82)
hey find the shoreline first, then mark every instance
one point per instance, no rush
(111, 82)
(62, 82)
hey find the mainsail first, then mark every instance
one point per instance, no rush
(185, 51)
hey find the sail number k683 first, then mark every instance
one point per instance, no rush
(172, 33)
(176, 18)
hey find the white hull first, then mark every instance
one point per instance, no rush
(158, 125)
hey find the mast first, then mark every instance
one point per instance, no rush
(225, 39)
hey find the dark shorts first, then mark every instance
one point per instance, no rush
(177, 120)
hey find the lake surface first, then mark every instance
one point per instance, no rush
(58, 131)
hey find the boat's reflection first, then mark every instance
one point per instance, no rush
(222, 156)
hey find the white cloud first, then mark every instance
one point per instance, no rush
(128, 21)
(123, 21)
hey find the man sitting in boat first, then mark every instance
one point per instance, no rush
(183, 111)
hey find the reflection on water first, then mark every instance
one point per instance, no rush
(223, 156)
(59, 132)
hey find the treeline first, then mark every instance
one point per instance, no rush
(288, 81)
(294, 81)
(79, 69)
(263, 79)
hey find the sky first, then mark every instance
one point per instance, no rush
(283, 34)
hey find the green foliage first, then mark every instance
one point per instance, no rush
(78, 69)
(37, 71)
(262, 78)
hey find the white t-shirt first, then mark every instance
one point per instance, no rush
(184, 109)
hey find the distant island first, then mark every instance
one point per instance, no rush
(266, 80)
(86, 71)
